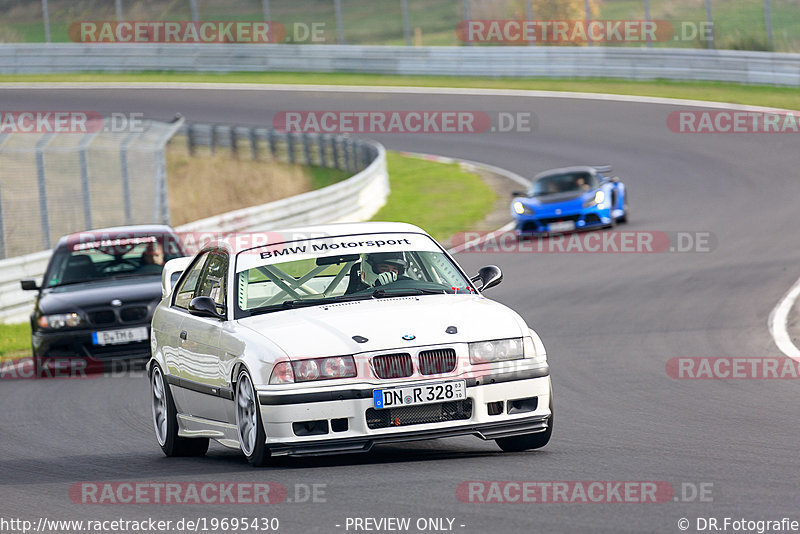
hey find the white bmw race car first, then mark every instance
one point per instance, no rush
(332, 339)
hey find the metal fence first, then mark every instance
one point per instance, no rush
(331, 151)
(52, 184)
(743, 24)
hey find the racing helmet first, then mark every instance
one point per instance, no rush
(389, 258)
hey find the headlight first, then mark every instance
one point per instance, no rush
(60, 320)
(599, 198)
(496, 351)
(522, 209)
(315, 369)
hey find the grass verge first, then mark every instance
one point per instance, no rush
(757, 95)
(440, 198)
(15, 341)
(208, 184)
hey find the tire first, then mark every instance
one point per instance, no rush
(165, 421)
(249, 426)
(526, 442)
(625, 208)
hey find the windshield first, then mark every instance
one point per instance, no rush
(102, 259)
(573, 182)
(373, 266)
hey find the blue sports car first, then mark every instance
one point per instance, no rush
(569, 199)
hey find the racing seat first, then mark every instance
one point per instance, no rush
(78, 268)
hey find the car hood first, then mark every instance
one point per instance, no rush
(553, 198)
(329, 330)
(77, 297)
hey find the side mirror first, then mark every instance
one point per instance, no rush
(489, 276)
(29, 285)
(204, 307)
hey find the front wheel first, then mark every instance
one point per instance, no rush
(165, 421)
(250, 428)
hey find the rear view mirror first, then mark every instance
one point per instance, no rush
(336, 260)
(29, 285)
(489, 276)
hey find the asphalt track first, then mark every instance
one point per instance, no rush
(610, 323)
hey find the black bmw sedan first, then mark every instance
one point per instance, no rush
(98, 295)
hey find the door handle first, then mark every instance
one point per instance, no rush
(184, 335)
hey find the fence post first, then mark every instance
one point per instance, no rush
(273, 148)
(529, 17)
(306, 149)
(347, 155)
(647, 17)
(323, 158)
(126, 186)
(194, 10)
(234, 148)
(335, 151)
(42, 183)
(337, 6)
(289, 147)
(161, 213)
(46, 18)
(768, 23)
(83, 158)
(265, 9)
(465, 8)
(406, 23)
(212, 143)
(190, 138)
(710, 22)
(2, 230)
(588, 11)
(253, 143)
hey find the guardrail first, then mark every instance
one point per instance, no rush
(355, 199)
(770, 68)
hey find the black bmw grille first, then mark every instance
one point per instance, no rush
(103, 317)
(133, 313)
(436, 362)
(393, 365)
(419, 415)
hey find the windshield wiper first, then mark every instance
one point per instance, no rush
(302, 303)
(382, 293)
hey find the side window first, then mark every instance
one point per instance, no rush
(188, 288)
(213, 277)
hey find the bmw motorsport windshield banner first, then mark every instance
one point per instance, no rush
(330, 246)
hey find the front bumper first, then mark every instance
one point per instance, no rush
(539, 223)
(78, 343)
(281, 412)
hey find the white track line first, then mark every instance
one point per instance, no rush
(778, 321)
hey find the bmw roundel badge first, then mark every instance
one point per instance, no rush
(409, 337)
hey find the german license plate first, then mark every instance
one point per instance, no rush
(118, 337)
(419, 394)
(562, 226)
